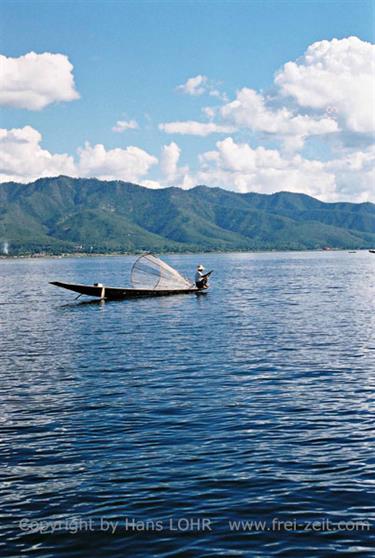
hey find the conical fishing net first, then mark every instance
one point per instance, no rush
(151, 273)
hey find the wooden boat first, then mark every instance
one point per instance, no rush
(116, 293)
(150, 276)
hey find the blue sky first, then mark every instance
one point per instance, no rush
(129, 57)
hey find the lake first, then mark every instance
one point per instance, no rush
(239, 423)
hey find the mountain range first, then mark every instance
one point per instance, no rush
(63, 214)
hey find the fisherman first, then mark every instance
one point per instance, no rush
(200, 278)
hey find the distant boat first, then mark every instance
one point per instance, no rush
(352, 252)
(150, 276)
(372, 251)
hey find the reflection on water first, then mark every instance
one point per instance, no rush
(254, 402)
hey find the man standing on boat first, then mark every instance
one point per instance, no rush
(201, 278)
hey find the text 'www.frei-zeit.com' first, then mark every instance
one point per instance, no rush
(74, 525)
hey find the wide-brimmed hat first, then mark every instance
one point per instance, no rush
(200, 267)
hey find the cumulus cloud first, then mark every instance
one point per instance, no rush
(354, 175)
(219, 94)
(194, 86)
(336, 75)
(172, 174)
(263, 170)
(128, 164)
(329, 91)
(169, 160)
(242, 168)
(152, 184)
(22, 159)
(209, 112)
(200, 85)
(249, 110)
(34, 81)
(193, 128)
(122, 125)
(231, 165)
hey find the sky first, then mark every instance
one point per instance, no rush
(258, 96)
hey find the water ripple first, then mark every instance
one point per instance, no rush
(253, 403)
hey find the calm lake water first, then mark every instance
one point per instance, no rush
(252, 403)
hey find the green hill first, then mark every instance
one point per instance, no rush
(65, 214)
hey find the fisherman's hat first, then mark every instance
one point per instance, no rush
(200, 267)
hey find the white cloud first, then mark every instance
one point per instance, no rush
(330, 90)
(209, 112)
(128, 164)
(193, 128)
(219, 94)
(200, 85)
(234, 166)
(244, 169)
(173, 175)
(249, 110)
(169, 160)
(194, 86)
(34, 81)
(22, 159)
(336, 75)
(152, 184)
(122, 125)
(241, 168)
(354, 175)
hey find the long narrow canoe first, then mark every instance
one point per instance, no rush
(115, 293)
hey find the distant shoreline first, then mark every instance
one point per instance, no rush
(135, 254)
